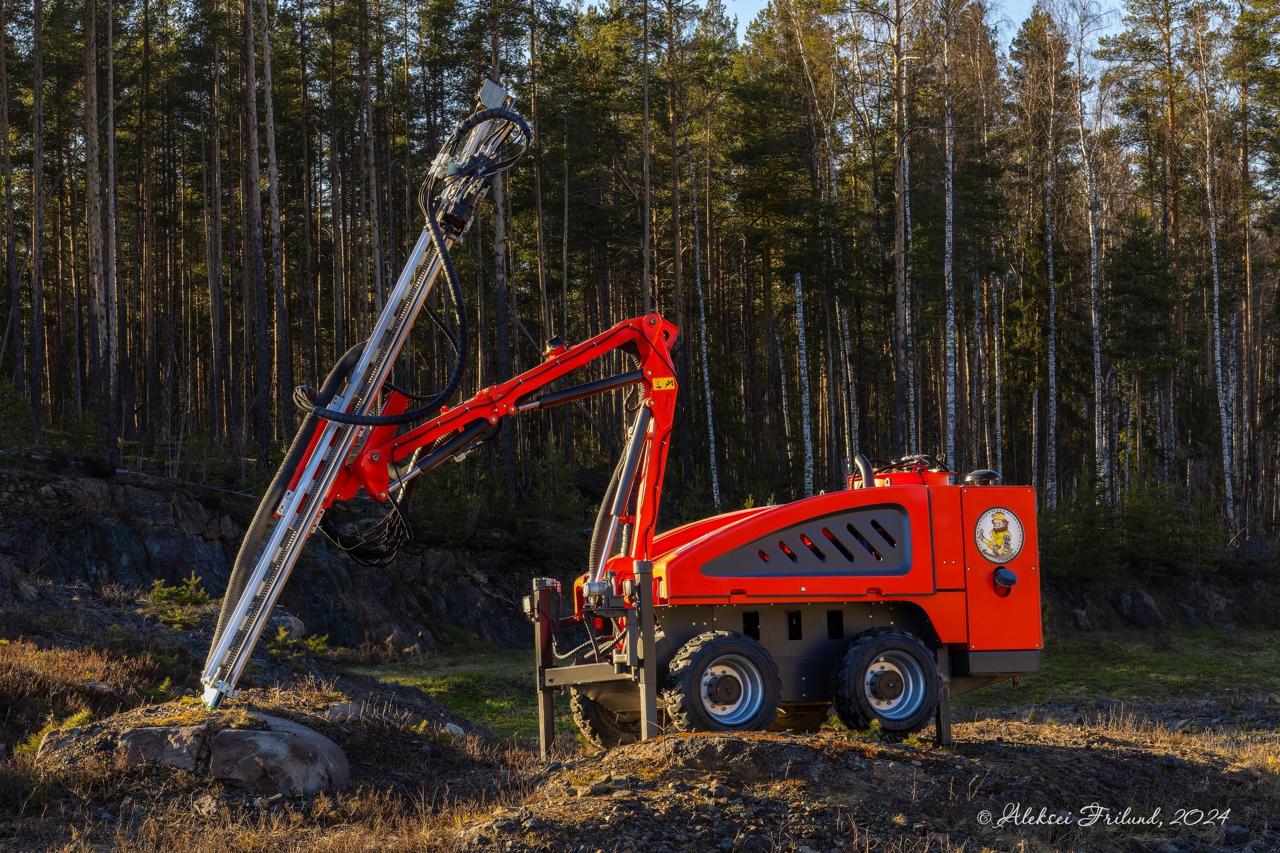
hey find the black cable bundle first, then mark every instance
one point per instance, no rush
(377, 544)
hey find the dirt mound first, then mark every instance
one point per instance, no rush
(1005, 784)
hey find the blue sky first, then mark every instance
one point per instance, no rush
(1010, 14)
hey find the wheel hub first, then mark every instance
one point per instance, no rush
(724, 689)
(894, 685)
(732, 690)
(886, 685)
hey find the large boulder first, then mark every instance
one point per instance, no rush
(169, 746)
(285, 757)
(276, 756)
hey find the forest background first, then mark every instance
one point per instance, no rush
(882, 225)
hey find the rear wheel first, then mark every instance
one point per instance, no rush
(600, 725)
(889, 677)
(721, 681)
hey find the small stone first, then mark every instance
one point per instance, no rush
(455, 730)
(726, 843)
(101, 688)
(205, 805)
(344, 712)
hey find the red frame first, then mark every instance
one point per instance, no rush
(948, 579)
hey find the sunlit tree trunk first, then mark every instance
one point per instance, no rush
(1220, 378)
(217, 310)
(802, 355)
(702, 338)
(948, 244)
(646, 279)
(282, 361)
(257, 284)
(13, 326)
(35, 378)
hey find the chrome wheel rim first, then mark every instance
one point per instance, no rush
(883, 670)
(717, 695)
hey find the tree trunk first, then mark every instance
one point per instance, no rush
(702, 340)
(904, 413)
(257, 280)
(217, 308)
(310, 212)
(370, 164)
(93, 204)
(544, 303)
(13, 326)
(1220, 379)
(501, 304)
(35, 379)
(1051, 343)
(948, 247)
(646, 239)
(283, 361)
(802, 356)
(112, 264)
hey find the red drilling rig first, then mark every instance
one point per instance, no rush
(881, 600)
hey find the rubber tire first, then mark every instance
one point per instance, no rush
(684, 681)
(599, 725)
(849, 696)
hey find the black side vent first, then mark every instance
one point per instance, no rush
(873, 540)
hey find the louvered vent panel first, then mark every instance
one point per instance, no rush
(866, 541)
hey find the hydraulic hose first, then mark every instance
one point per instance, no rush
(459, 363)
(478, 168)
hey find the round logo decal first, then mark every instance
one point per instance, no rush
(998, 534)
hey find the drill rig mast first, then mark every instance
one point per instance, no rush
(351, 406)
(357, 434)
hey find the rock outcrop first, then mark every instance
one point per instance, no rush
(129, 530)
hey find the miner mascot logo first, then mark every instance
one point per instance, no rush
(998, 534)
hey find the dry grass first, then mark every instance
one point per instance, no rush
(27, 670)
(1232, 749)
(45, 685)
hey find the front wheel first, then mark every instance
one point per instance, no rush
(601, 726)
(888, 677)
(721, 682)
